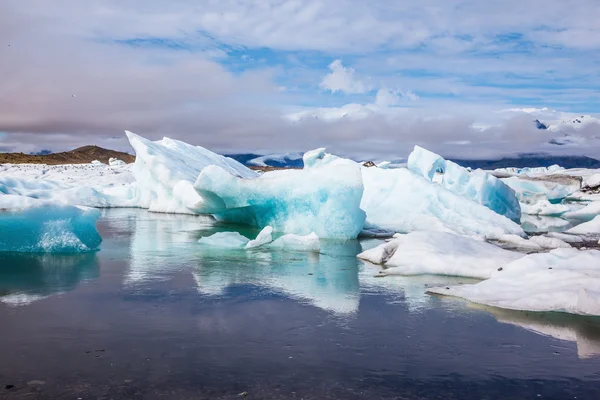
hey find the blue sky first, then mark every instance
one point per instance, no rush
(229, 73)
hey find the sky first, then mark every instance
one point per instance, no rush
(465, 78)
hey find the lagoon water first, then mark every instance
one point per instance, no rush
(155, 315)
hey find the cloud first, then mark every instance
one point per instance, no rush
(342, 79)
(182, 69)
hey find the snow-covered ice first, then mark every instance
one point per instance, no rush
(41, 226)
(587, 213)
(479, 186)
(439, 253)
(165, 171)
(563, 280)
(289, 242)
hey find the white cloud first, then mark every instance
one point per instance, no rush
(390, 97)
(342, 79)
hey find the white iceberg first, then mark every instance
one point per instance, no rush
(326, 201)
(563, 280)
(165, 171)
(439, 253)
(113, 162)
(227, 240)
(587, 213)
(264, 237)
(479, 186)
(530, 191)
(39, 226)
(590, 228)
(401, 201)
(289, 242)
(545, 208)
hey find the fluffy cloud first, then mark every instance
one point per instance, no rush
(342, 79)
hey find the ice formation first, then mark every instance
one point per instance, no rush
(439, 253)
(563, 280)
(531, 191)
(544, 207)
(40, 226)
(326, 201)
(591, 228)
(477, 185)
(289, 242)
(588, 213)
(113, 162)
(165, 171)
(399, 200)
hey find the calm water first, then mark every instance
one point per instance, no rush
(154, 315)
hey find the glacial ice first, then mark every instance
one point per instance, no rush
(588, 213)
(289, 242)
(477, 185)
(563, 280)
(531, 191)
(399, 200)
(41, 226)
(544, 207)
(591, 228)
(165, 171)
(326, 201)
(439, 253)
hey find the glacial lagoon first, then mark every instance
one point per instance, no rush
(155, 315)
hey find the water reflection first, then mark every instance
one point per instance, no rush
(25, 278)
(584, 331)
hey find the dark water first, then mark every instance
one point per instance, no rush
(154, 315)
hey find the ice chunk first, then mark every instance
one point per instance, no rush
(542, 223)
(591, 228)
(477, 185)
(531, 191)
(113, 162)
(96, 162)
(324, 200)
(291, 242)
(439, 253)
(264, 237)
(39, 226)
(563, 280)
(588, 213)
(228, 240)
(319, 158)
(565, 237)
(401, 201)
(546, 242)
(165, 171)
(544, 207)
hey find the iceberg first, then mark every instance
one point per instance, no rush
(587, 213)
(289, 242)
(439, 253)
(40, 226)
(478, 186)
(530, 190)
(545, 208)
(590, 228)
(326, 201)
(399, 200)
(165, 171)
(563, 280)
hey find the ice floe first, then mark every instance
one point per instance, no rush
(563, 280)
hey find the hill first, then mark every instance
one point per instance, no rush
(81, 155)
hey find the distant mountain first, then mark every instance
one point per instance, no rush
(532, 161)
(81, 155)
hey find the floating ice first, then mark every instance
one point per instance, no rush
(165, 171)
(563, 280)
(38, 226)
(591, 228)
(113, 162)
(477, 185)
(531, 191)
(324, 200)
(289, 242)
(588, 213)
(439, 253)
(544, 207)
(401, 201)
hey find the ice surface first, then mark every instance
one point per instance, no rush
(588, 213)
(289, 242)
(324, 200)
(308, 243)
(229, 240)
(399, 200)
(165, 171)
(41, 226)
(477, 185)
(439, 253)
(565, 237)
(563, 280)
(531, 191)
(544, 207)
(543, 224)
(264, 237)
(591, 228)
(319, 158)
(113, 162)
